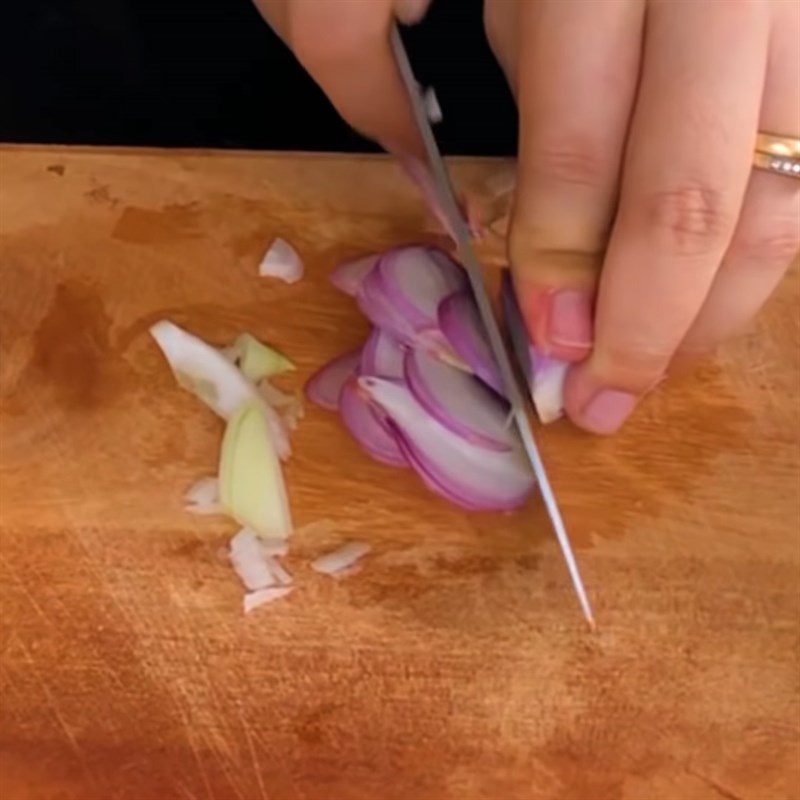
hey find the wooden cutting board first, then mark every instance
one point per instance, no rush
(456, 665)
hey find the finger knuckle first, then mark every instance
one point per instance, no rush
(776, 244)
(578, 161)
(632, 366)
(689, 220)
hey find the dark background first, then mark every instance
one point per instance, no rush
(210, 73)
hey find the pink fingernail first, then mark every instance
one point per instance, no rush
(608, 409)
(570, 320)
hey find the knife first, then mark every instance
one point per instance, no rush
(460, 230)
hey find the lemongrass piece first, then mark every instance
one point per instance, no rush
(252, 489)
(202, 497)
(253, 600)
(203, 370)
(341, 559)
(281, 261)
(249, 562)
(258, 360)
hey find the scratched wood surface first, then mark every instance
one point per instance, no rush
(456, 665)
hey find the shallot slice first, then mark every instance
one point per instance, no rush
(470, 475)
(545, 376)
(365, 423)
(349, 276)
(342, 559)
(382, 356)
(461, 324)
(325, 385)
(459, 401)
(281, 261)
(260, 597)
(202, 497)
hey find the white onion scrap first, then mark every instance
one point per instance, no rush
(281, 261)
(260, 597)
(249, 561)
(202, 497)
(340, 560)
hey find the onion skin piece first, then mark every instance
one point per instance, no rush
(325, 385)
(260, 597)
(545, 376)
(349, 276)
(341, 560)
(469, 475)
(252, 489)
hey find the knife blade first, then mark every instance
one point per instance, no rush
(460, 230)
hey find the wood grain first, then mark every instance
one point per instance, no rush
(456, 666)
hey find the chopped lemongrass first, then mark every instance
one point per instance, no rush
(252, 489)
(258, 360)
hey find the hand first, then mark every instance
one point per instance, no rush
(640, 233)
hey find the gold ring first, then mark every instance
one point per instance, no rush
(779, 154)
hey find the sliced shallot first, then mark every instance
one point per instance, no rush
(461, 324)
(467, 474)
(382, 356)
(459, 401)
(281, 261)
(365, 423)
(545, 376)
(325, 385)
(340, 560)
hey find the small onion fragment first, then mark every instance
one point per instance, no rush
(432, 107)
(349, 276)
(340, 560)
(281, 261)
(365, 422)
(251, 483)
(545, 376)
(459, 401)
(202, 497)
(279, 573)
(260, 597)
(249, 561)
(325, 385)
(469, 475)
(461, 324)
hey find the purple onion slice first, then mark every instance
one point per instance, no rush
(382, 356)
(368, 426)
(459, 401)
(325, 385)
(473, 476)
(461, 324)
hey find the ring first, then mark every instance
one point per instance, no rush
(780, 154)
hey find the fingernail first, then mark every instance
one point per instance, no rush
(608, 409)
(570, 319)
